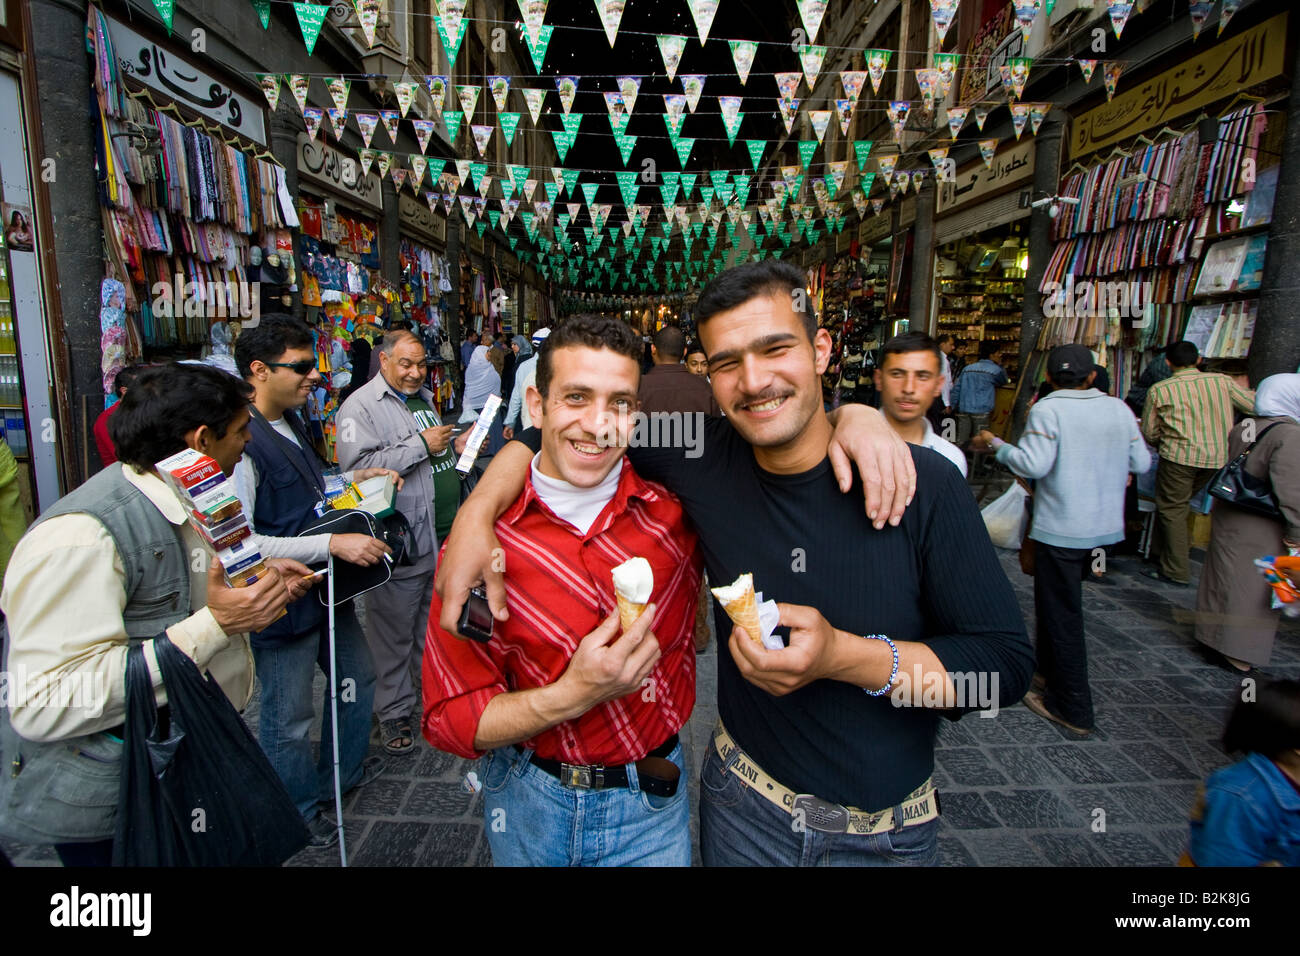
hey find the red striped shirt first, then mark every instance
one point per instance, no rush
(559, 588)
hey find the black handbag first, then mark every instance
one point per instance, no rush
(196, 788)
(353, 579)
(1233, 484)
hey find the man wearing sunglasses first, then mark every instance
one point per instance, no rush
(281, 483)
(392, 422)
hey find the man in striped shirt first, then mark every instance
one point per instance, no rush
(581, 720)
(1187, 417)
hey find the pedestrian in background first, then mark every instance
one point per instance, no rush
(1079, 447)
(975, 392)
(1235, 620)
(1187, 417)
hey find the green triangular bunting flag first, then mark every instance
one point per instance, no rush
(450, 44)
(684, 147)
(861, 149)
(806, 149)
(509, 123)
(538, 50)
(453, 119)
(756, 147)
(263, 8)
(165, 10)
(310, 18)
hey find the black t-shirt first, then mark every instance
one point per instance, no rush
(934, 579)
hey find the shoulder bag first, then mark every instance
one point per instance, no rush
(1239, 487)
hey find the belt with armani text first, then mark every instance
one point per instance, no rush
(919, 806)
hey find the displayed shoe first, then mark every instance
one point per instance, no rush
(323, 832)
(1155, 575)
(1035, 702)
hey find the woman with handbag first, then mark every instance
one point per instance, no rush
(1235, 620)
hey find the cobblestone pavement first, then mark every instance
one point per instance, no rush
(1016, 789)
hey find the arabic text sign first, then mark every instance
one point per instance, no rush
(417, 218)
(976, 182)
(1236, 64)
(326, 165)
(142, 60)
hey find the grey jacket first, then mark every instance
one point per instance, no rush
(1080, 446)
(376, 430)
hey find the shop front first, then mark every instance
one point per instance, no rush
(27, 414)
(422, 289)
(190, 202)
(853, 288)
(1164, 237)
(337, 266)
(980, 259)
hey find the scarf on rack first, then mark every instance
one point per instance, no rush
(481, 379)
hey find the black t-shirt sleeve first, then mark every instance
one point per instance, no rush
(532, 438)
(973, 613)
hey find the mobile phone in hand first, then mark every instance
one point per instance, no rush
(476, 617)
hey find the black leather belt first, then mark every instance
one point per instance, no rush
(654, 773)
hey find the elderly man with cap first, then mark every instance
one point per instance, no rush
(525, 375)
(1079, 446)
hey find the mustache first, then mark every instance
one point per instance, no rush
(765, 396)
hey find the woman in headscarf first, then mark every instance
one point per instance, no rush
(520, 349)
(482, 380)
(1234, 618)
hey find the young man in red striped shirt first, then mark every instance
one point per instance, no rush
(581, 720)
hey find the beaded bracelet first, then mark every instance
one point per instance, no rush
(893, 674)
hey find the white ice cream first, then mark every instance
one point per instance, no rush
(734, 591)
(633, 580)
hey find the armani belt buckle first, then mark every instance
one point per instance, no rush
(820, 815)
(581, 777)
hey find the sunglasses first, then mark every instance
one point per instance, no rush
(302, 367)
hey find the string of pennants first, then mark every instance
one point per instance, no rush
(452, 22)
(729, 188)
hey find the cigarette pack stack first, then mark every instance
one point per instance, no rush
(216, 513)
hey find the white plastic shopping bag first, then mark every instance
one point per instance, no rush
(1005, 517)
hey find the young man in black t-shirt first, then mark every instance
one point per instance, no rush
(828, 742)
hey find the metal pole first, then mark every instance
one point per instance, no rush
(334, 716)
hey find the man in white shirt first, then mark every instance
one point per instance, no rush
(280, 480)
(910, 378)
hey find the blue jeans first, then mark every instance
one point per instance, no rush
(740, 828)
(286, 671)
(533, 820)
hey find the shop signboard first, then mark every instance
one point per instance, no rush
(188, 85)
(321, 163)
(421, 222)
(1218, 72)
(984, 48)
(976, 181)
(874, 229)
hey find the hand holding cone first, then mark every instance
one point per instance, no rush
(633, 583)
(738, 600)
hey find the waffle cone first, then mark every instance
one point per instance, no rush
(628, 611)
(744, 614)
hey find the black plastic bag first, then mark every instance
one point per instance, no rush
(196, 788)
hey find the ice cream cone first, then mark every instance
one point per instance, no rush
(742, 608)
(633, 584)
(628, 611)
